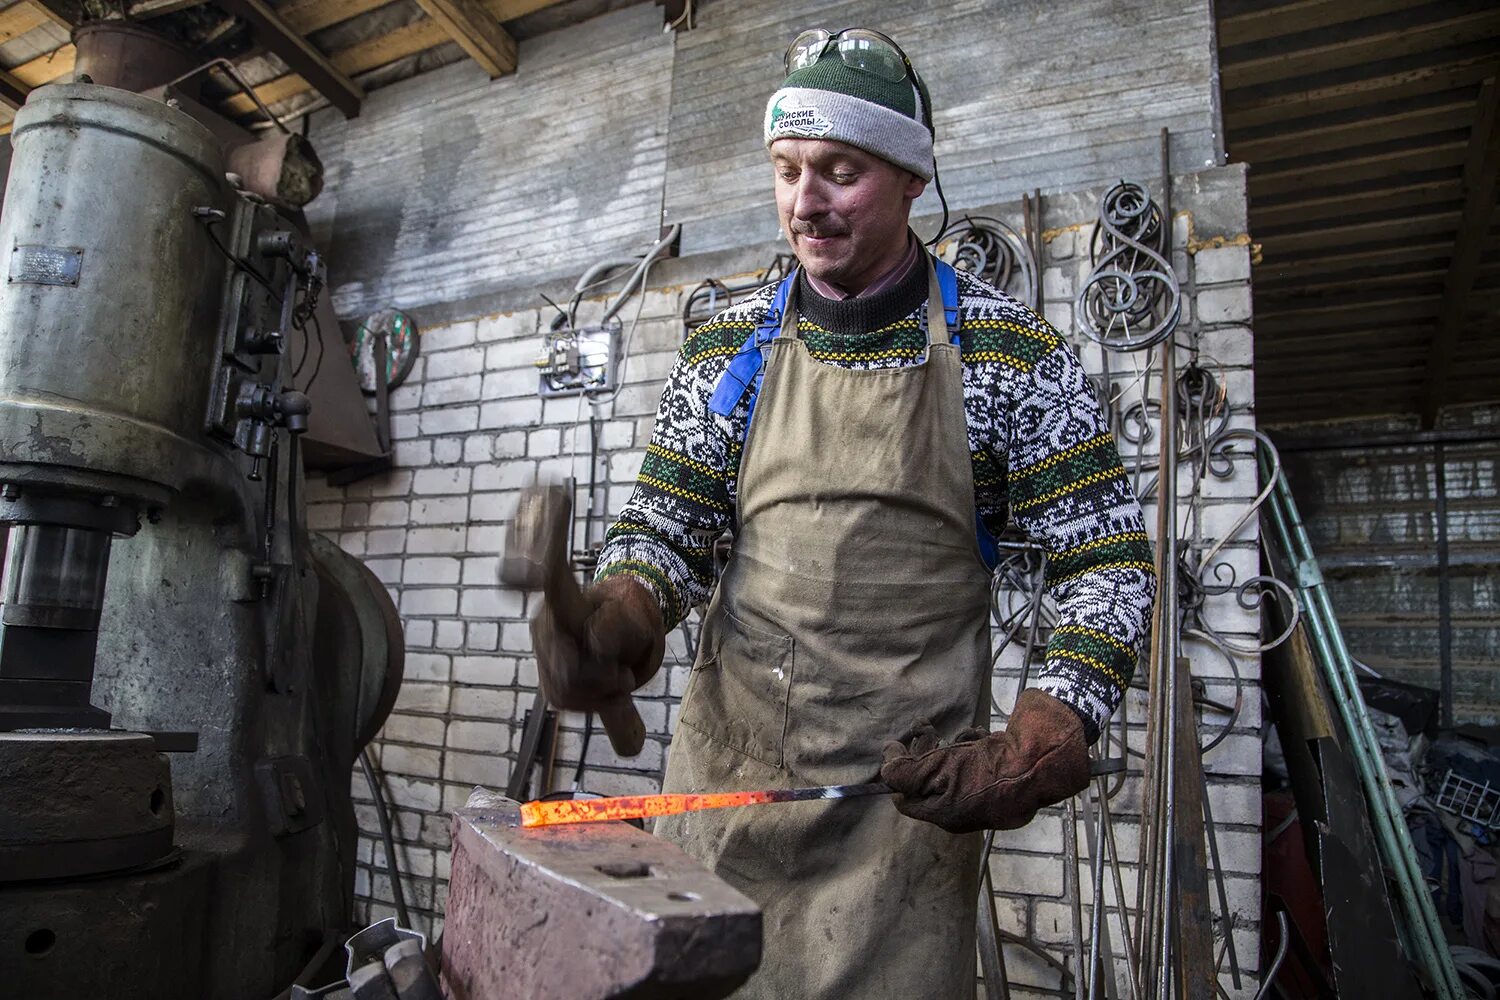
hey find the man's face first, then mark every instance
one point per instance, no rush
(844, 211)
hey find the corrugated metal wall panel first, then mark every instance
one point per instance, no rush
(1371, 517)
(1028, 94)
(451, 185)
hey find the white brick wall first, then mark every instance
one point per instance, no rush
(471, 432)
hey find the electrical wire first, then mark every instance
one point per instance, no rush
(317, 365)
(381, 817)
(209, 221)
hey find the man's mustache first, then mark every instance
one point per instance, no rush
(815, 230)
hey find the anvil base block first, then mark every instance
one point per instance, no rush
(586, 912)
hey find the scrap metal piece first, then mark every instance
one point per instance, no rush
(587, 912)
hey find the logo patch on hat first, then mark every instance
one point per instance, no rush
(792, 119)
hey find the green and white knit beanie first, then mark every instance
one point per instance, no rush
(829, 100)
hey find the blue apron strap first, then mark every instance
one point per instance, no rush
(948, 285)
(747, 368)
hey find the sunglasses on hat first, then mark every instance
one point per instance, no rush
(860, 48)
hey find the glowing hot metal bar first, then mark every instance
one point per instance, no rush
(642, 806)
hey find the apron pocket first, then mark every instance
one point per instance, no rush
(737, 696)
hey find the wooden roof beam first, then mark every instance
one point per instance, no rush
(308, 16)
(477, 32)
(1475, 26)
(1255, 106)
(1481, 179)
(1289, 245)
(1347, 135)
(12, 91)
(1338, 172)
(374, 52)
(272, 31)
(1275, 21)
(1296, 214)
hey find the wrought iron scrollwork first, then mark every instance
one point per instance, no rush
(993, 250)
(1131, 299)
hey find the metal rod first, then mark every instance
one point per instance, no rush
(1166, 500)
(991, 953)
(643, 806)
(1098, 946)
(1224, 911)
(1445, 605)
(1132, 960)
(1075, 895)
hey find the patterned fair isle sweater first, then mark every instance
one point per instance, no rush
(1043, 458)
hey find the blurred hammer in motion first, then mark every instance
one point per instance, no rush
(536, 558)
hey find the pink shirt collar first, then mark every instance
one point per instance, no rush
(880, 284)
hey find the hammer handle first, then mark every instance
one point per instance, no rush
(622, 721)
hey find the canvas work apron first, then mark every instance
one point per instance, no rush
(855, 603)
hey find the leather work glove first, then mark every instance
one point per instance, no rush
(992, 781)
(616, 649)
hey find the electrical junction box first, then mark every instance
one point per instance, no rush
(585, 360)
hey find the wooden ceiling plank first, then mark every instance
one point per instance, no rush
(1366, 131)
(1358, 169)
(369, 54)
(308, 16)
(1376, 337)
(1252, 107)
(1429, 277)
(1338, 375)
(1481, 168)
(1355, 259)
(1348, 316)
(21, 18)
(477, 32)
(63, 13)
(1265, 218)
(379, 51)
(298, 53)
(1466, 28)
(46, 68)
(1384, 301)
(1302, 15)
(1316, 238)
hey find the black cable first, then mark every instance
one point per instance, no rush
(301, 324)
(561, 314)
(938, 184)
(317, 365)
(588, 517)
(402, 916)
(239, 262)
